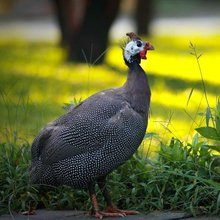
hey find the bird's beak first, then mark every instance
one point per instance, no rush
(147, 47)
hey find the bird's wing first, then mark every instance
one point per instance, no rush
(42, 140)
(46, 134)
(78, 131)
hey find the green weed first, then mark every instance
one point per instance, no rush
(16, 193)
(183, 177)
(211, 132)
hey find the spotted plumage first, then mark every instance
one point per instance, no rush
(96, 136)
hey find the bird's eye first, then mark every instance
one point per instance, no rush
(139, 43)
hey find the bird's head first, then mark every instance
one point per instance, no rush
(135, 49)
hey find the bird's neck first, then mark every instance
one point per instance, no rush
(137, 88)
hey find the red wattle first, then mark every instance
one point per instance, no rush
(143, 54)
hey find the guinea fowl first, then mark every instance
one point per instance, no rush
(84, 145)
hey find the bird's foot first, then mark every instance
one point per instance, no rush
(29, 212)
(114, 209)
(101, 214)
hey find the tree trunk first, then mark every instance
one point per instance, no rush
(144, 13)
(65, 16)
(88, 44)
(85, 24)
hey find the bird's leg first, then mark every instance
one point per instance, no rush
(111, 208)
(95, 207)
(30, 211)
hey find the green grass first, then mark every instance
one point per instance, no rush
(182, 177)
(35, 82)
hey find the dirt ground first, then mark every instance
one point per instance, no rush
(81, 215)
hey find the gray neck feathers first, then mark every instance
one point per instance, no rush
(137, 89)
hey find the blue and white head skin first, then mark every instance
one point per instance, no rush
(136, 47)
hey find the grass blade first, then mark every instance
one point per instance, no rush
(189, 97)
